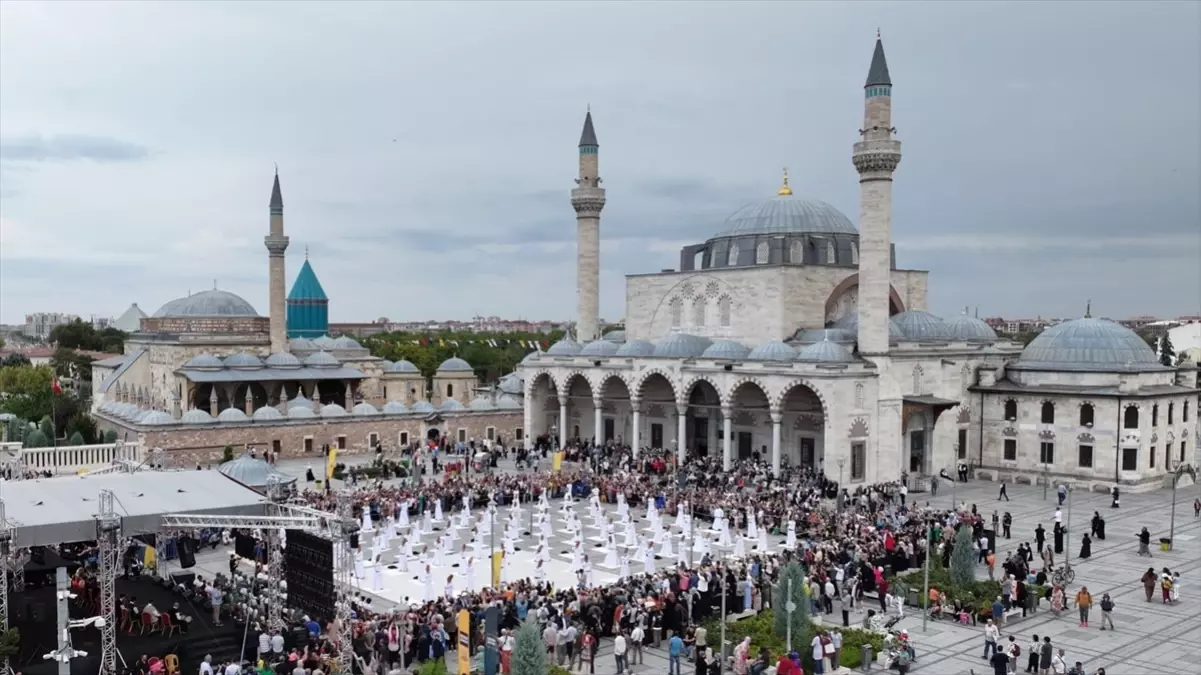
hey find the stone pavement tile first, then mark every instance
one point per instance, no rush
(939, 664)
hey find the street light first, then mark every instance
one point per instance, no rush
(1181, 470)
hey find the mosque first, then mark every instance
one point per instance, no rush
(206, 371)
(793, 336)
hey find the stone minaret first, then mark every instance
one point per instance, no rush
(276, 244)
(588, 199)
(876, 156)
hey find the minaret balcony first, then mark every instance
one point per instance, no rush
(876, 155)
(588, 200)
(276, 245)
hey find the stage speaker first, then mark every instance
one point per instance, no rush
(354, 541)
(187, 552)
(244, 545)
(37, 555)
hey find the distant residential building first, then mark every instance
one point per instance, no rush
(39, 324)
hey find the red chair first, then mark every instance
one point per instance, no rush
(148, 623)
(168, 626)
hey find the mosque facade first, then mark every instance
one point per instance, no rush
(793, 336)
(206, 371)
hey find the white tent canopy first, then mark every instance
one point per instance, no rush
(60, 510)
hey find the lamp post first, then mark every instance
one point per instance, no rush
(722, 656)
(926, 580)
(1181, 470)
(790, 607)
(1067, 531)
(1046, 471)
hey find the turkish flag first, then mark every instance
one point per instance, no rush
(54, 386)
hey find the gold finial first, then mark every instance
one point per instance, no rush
(306, 251)
(785, 190)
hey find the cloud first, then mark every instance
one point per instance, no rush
(1153, 242)
(67, 148)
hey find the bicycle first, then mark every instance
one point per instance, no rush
(1064, 575)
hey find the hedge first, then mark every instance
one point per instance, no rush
(762, 631)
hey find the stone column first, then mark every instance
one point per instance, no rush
(249, 401)
(598, 405)
(727, 430)
(776, 418)
(562, 420)
(681, 432)
(636, 440)
(213, 401)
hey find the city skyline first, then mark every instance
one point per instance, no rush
(1033, 179)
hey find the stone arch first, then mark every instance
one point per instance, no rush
(895, 304)
(858, 428)
(1130, 416)
(777, 401)
(531, 382)
(685, 393)
(1011, 409)
(1086, 438)
(1088, 413)
(1046, 435)
(567, 380)
(637, 390)
(728, 397)
(964, 415)
(602, 387)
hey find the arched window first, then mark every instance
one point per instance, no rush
(1086, 415)
(1130, 417)
(830, 253)
(1184, 412)
(1048, 412)
(854, 253)
(1011, 410)
(917, 379)
(1171, 412)
(761, 253)
(858, 396)
(796, 254)
(698, 312)
(450, 391)
(732, 258)
(723, 311)
(677, 311)
(1155, 415)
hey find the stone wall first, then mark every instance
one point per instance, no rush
(238, 325)
(205, 444)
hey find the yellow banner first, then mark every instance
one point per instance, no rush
(464, 641)
(149, 558)
(331, 462)
(557, 461)
(498, 559)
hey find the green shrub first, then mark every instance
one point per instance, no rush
(75, 439)
(227, 455)
(435, 667)
(762, 631)
(36, 439)
(963, 558)
(529, 656)
(110, 436)
(801, 621)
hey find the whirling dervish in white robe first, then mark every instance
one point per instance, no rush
(427, 581)
(611, 553)
(679, 516)
(665, 547)
(469, 579)
(402, 513)
(790, 543)
(623, 508)
(631, 535)
(367, 526)
(377, 577)
(739, 547)
(623, 570)
(437, 510)
(359, 571)
(762, 540)
(577, 556)
(724, 538)
(648, 561)
(427, 524)
(752, 528)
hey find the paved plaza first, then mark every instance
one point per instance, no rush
(1151, 638)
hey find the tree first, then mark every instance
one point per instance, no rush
(75, 439)
(46, 426)
(529, 654)
(81, 335)
(25, 391)
(1167, 353)
(36, 439)
(963, 558)
(70, 364)
(110, 436)
(802, 623)
(10, 643)
(428, 350)
(83, 425)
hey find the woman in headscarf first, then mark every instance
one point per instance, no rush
(741, 655)
(1086, 547)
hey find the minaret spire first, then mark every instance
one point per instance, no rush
(588, 199)
(876, 156)
(1088, 309)
(277, 245)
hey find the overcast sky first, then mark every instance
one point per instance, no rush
(1052, 152)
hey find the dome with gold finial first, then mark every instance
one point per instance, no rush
(786, 214)
(785, 191)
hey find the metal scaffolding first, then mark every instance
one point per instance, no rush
(6, 538)
(273, 540)
(108, 538)
(343, 579)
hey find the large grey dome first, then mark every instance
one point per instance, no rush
(207, 303)
(921, 327)
(785, 214)
(253, 472)
(970, 329)
(1088, 345)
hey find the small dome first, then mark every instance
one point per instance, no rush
(196, 416)
(850, 324)
(300, 402)
(726, 350)
(156, 417)
(395, 408)
(1088, 344)
(785, 214)
(207, 303)
(482, 403)
(772, 351)
(455, 365)
(508, 402)
(332, 410)
(243, 361)
(267, 414)
(232, 415)
(615, 336)
(401, 366)
(321, 359)
(920, 326)
(323, 342)
(532, 356)
(513, 383)
(564, 347)
(450, 404)
(970, 329)
(832, 334)
(282, 360)
(202, 361)
(301, 345)
(128, 411)
(253, 472)
(825, 352)
(301, 413)
(422, 407)
(345, 342)
(635, 348)
(600, 347)
(364, 409)
(681, 346)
